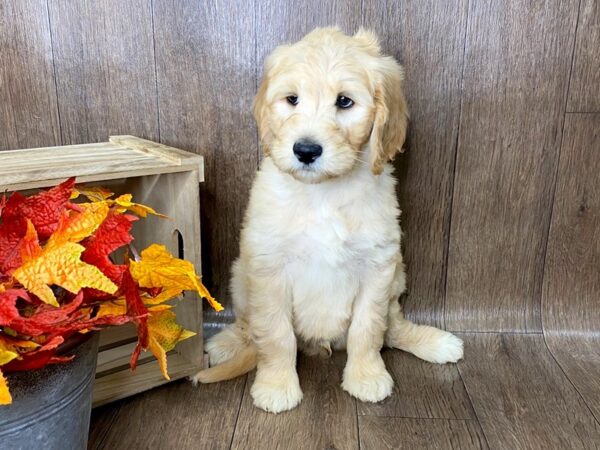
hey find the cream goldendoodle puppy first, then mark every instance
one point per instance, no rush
(320, 265)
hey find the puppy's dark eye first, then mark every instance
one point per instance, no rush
(292, 99)
(344, 102)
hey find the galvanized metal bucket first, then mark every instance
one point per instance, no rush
(51, 406)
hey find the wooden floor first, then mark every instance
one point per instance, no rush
(510, 392)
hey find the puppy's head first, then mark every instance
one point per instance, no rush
(331, 102)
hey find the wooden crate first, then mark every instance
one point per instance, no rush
(159, 176)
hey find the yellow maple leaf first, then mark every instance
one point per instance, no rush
(115, 307)
(12, 348)
(60, 264)
(79, 225)
(125, 203)
(163, 334)
(165, 294)
(158, 268)
(5, 397)
(93, 193)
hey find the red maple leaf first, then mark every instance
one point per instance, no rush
(45, 319)
(11, 236)
(137, 310)
(43, 209)
(37, 361)
(112, 234)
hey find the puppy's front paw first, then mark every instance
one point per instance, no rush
(369, 384)
(276, 394)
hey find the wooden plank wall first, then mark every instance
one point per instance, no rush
(486, 184)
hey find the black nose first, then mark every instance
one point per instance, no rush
(307, 151)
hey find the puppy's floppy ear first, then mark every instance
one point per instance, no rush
(391, 114)
(260, 107)
(259, 110)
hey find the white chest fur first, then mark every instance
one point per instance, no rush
(320, 238)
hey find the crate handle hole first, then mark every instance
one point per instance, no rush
(178, 241)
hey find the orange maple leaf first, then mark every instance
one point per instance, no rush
(59, 264)
(158, 268)
(76, 226)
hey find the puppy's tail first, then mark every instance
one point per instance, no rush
(243, 362)
(425, 342)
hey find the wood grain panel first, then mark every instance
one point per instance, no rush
(286, 22)
(584, 91)
(379, 433)
(205, 56)
(326, 418)
(512, 113)
(104, 58)
(28, 107)
(177, 416)
(521, 396)
(428, 39)
(579, 357)
(421, 390)
(572, 274)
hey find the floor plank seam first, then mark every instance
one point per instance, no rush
(105, 433)
(448, 229)
(582, 112)
(238, 412)
(531, 333)
(477, 419)
(556, 171)
(60, 131)
(570, 381)
(357, 424)
(455, 419)
(155, 71)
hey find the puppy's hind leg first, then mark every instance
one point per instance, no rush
(425, 342)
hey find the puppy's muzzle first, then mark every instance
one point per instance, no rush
(307, 151)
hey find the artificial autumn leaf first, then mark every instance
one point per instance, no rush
(8, 309)
(30, 246)
(2, 204)
(5, 397)
(43, 209)
(125, 203)
(7, 353)
(44, 318)
(61, 265)
(93, 193)
(164, 333)
(135, 307)
(158, 268)
(36, 361)
(77, 226)
(112, 234)
(163, 296)
(115, 307)
(11, 236)
(12, 348)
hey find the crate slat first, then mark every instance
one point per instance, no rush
(122, 157)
